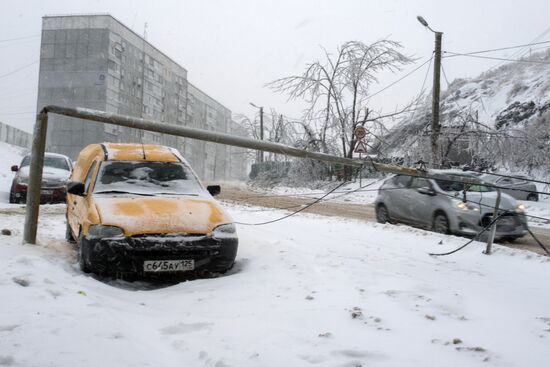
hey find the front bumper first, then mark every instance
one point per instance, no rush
(48, 195)
(510, 225)
(126, 255)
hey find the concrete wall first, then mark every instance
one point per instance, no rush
(14, 136)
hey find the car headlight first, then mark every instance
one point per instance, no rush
(520, 208)
(225, 231)
(466, 206)
(100, 231)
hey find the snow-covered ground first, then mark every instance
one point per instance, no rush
(308, 290)
(360, 192)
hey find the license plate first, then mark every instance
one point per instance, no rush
(46, 192)
(168, 265)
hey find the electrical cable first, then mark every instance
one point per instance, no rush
(445, 76)
(538, 241)
(470, 241)
(293, 213)
(19, 69)
(408, 127)
(498, 58)
(516, 177)
(400, 79)
(503, 48)
(19, 38)
(464, 199)
(520, 53)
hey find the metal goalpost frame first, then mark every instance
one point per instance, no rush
(39, 146)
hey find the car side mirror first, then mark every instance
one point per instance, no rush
(14, 168)
(75, 188)
(426, 191)
(214, 189)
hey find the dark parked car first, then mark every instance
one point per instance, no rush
(513, 185)
(439, 204)
(57, 169)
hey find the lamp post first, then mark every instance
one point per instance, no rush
(261, 128)
(436, 127)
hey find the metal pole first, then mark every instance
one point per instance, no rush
(494, 227)
(35, 177)
(261, 132)
(360, 170)
(435, 101)
(188, 132)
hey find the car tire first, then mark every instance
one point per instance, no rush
(532, 197)
(441, 223)
(68, 234)
(13, 199)
(83, 250)
(382, 214)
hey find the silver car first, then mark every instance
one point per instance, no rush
(519, 187)
(448, 207)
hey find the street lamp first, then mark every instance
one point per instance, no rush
(261, 128)
(436, 127)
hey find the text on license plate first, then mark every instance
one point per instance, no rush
(168, 265)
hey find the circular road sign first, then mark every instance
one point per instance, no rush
(360, 132)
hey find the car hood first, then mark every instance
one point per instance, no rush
(48, 173)
(489, 199)
(161, 215)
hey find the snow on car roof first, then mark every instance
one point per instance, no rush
(140, 152)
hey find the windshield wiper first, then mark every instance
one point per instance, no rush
(122, 192)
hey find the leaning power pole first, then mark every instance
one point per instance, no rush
(436, 127)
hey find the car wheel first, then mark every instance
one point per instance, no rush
(532, 197)
(83, 250)
(441, 224)
(68, 234)
(382, 214)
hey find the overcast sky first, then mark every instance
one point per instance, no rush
(231, 48)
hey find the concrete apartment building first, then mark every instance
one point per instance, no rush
(95, 61)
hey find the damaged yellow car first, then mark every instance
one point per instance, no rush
(137, 209)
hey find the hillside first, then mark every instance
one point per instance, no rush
(512, 100)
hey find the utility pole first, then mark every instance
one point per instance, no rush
(261, 132)
(436, 127)
(261, 153)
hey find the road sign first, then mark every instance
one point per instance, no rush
(360, 147)
(360, 132)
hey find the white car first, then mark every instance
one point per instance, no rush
(56, 172)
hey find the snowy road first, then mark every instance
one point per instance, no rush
(361, 207)
(308, 290)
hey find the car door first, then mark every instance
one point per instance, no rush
(77, 206)
(507, 184)
(397, 198)
(421, 206)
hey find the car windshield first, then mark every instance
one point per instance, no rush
(146, 178)
(446, 185)
(54, 162)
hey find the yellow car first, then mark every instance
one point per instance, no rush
(139, 209)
